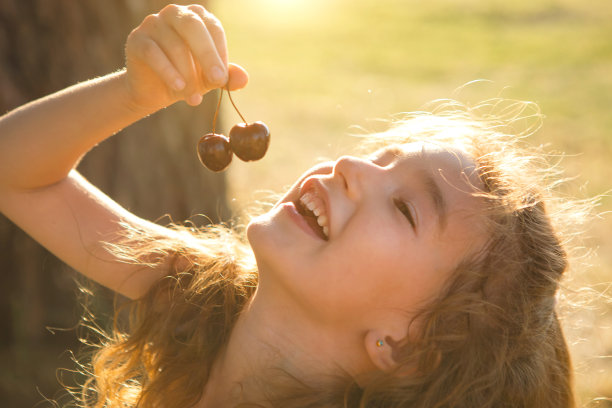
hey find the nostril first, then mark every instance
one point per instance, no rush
(344, 170)
(344, 182)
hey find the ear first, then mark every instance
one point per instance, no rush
(380, 347)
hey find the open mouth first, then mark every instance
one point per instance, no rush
(310, 207)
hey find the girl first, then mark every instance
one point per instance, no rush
(421, 275)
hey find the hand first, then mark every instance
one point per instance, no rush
(178, 54)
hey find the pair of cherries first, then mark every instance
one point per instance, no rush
(248, 141)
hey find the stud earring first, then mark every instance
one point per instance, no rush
(379, 343)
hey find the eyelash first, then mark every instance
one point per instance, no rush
(405, 209)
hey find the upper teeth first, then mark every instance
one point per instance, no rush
(316, 205)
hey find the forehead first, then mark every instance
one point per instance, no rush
(451, 158)
(445, 164)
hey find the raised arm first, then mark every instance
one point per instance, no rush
(177, 54)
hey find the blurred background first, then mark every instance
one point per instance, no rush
(318, 68)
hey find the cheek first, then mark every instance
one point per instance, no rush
(400, 274)
(369, 269)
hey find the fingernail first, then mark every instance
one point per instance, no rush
(216, 74)
(195, 99)
(179, 84)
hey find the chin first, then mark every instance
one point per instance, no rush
(265, 247)
(255, 230)
(263, 236)
(272, 243)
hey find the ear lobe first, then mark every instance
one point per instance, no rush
(380, 349)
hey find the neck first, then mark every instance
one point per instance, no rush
(271, 338)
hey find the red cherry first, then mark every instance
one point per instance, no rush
(249, 141)
(214, 151)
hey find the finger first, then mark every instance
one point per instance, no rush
(215, 29)
(238, 77)
(193, 31)
(179, 55)
(147, 50)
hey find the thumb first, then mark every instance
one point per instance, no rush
(238, 77)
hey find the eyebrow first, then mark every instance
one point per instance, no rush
(434, 192)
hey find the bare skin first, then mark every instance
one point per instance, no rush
(322, 304)
(42, 142)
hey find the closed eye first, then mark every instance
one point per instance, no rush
(405, 210)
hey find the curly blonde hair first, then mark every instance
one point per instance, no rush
(491, 339)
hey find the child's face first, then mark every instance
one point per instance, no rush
(398, 225)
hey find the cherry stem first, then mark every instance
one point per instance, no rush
(217, 111)
(234, 105)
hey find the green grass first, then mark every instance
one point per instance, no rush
(319, 67)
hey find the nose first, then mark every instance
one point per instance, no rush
(356, 174)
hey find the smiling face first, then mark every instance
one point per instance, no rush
(390, 231)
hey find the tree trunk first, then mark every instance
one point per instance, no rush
(151, 169)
